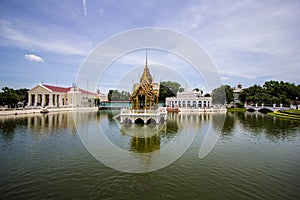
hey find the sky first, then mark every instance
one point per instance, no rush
(250, 42)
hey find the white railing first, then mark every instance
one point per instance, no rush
(132, 111)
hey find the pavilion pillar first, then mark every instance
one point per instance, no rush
(136, 103)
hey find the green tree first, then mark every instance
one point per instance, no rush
(116, 95)
(11, 97)
(271, 92)
(222, 95)
(168, 89)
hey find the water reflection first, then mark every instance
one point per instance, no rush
(9, 125)
(147, 138)
(60, 166)
(257, 124)
(141, 130)
(43, 123)
(145, 145)
(273, 128)
(228, 124)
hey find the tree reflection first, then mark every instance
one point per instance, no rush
(273, 128)
(8, 126)
(229, 124)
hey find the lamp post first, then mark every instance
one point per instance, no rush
(296, 103)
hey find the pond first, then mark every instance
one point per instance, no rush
(60, 156)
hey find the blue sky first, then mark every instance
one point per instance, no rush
(249, 41)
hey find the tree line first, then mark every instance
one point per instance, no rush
(271, 92)
(11, 97)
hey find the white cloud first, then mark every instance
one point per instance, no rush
(32, 57)
(249, 39)
(32, 36)
(84, 7)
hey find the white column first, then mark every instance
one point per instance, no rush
(43, 100)
(55, 100)
(57, 97)
(50, 99)
(35, 99)
(29, 99)
(67, 100)
(60, 100)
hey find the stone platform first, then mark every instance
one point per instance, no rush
(132, 116)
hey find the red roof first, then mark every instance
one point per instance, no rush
(64, 90)
(86, 92)
(57, 89)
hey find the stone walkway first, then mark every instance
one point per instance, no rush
(38, 110)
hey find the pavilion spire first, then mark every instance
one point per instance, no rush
(146, 57)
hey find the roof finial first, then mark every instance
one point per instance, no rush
(146, 58)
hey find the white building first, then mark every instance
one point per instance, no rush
(236, 93)
(53, 96)
(189, 100)
(101, 96)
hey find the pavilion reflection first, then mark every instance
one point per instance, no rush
(145, 145)
(145, 139)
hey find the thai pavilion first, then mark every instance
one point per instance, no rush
(144, 102)
(145, 93)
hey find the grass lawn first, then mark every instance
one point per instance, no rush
(287, 114)
(236, 109)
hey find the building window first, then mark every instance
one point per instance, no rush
(188, 103)
(179, 103)
(204, 104)
(199, 104)
(194, 104)
(183, 104)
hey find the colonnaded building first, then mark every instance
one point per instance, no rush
(189, 100)
(53, 96)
